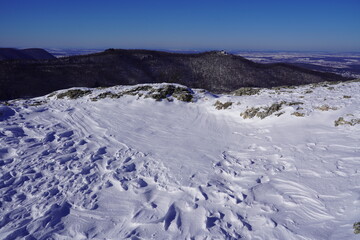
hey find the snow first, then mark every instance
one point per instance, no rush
(136, 168)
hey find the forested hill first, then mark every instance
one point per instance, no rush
(216, 71)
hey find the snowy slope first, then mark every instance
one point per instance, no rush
(109, 165)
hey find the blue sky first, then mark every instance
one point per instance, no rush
(183, 25)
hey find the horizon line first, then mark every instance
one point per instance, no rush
(187, 50)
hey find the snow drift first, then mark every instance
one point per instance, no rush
(168, 162)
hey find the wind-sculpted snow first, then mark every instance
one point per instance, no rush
(117, 163)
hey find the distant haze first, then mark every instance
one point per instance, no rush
(182, 25)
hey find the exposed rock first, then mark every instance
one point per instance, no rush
(262, 112)
(219, 105)
(342, 121)
(294, 103)
(137, 90)
(73, 94)
(164, 92)
(36, 103)
(246, 91)
(184, 97)
(106, 95)
(283, 87)
(298, 114)
(180, 93)
(356, 227)
(326, 108)
(250, 112)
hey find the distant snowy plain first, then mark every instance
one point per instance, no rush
(346, 64)
(136, 168)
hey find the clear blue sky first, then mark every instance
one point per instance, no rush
(185, 25)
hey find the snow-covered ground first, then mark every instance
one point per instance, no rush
(124, 166)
